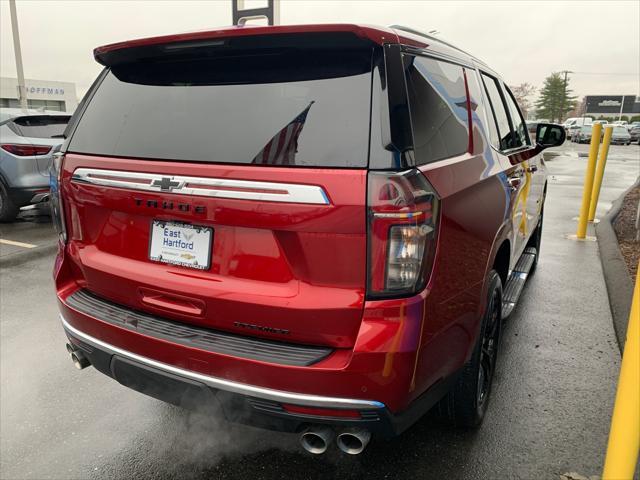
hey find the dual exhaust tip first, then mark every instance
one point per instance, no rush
(352, 441)
(80, 361)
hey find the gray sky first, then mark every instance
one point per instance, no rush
(524, 41)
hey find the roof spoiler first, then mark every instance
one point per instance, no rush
(244, 37)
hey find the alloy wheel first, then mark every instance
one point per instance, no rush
(489, 350)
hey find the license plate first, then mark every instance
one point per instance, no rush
(180, 244)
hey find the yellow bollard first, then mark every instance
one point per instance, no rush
(588, 181)
(602, 162)
(624, 437)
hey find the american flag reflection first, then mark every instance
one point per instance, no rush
(282, 148)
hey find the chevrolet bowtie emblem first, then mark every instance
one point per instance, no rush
(166, 184)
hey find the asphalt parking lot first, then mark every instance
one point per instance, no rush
(549, 415)
(30, 233)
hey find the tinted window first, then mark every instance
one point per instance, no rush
(278, 109)
(502, 137)
(438, 106)
(481, 120)
(520, 135)
(40, 126)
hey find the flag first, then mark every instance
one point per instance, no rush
(282, 148)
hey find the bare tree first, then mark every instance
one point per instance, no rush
(523, 93)
(580, 110)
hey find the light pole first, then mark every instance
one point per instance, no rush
(564, 95)
(22, 92)
(621, 109)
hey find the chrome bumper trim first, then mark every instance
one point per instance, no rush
(227, 385)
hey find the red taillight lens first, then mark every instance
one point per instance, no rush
(402, 215)
(321, 412)
(26, 150)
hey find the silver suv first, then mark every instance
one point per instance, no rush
(28, 139)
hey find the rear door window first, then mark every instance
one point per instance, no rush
(40, 126)
(438, 107)
(502, 138)
(286, 108)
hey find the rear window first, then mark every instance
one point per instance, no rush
(40, 126)
(281, 108)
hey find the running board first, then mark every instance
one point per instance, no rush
(516, 281)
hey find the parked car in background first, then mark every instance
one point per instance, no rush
(577, 121)
(572, 130)
(583, 134)
(573, 124)
(621, 123)
(532, 127)
(632, 125)
(620, 136)
(634, 134)
(602, 122)
(28, 139)
(328, 251)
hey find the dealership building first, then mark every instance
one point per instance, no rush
(46, 94)
(615, 106)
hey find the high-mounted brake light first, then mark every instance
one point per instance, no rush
(25, 150)
(55, 198)
(402, 216)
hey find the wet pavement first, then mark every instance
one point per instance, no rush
(549, 412)
(32, 231)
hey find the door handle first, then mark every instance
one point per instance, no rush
(514, 182)
(532, 168)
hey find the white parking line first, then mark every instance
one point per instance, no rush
(17, 244)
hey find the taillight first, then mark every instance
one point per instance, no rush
(402, 215)
(55, 198)
(26, 150)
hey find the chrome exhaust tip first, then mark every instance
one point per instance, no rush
(70, 348)
(79, 360)
(353, 441)
(316, 439)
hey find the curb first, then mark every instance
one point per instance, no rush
(614, 268)
(18, 258)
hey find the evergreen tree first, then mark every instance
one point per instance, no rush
(555, 98)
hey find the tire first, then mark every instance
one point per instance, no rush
(466, 404)
(8, 210)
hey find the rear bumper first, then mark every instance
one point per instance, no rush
(219, 383)
(243, 403)
(21, 196)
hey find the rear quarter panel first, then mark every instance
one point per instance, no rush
(474, 206)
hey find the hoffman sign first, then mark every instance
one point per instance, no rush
(45, 90)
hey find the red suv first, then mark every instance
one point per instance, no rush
(316, 229)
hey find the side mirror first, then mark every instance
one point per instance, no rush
(550, 135)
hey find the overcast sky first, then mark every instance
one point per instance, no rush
(524, 41)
